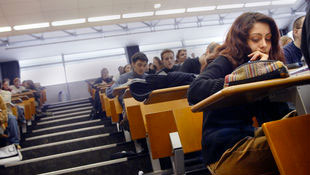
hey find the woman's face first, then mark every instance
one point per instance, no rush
(6, 85)
(182, 56)
(260, 38)
(127, 68)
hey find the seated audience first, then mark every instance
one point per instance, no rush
(17, 87)
(12, 128)
(195, 65)
(305, 41)
(285, 40)
(105, 78)
(292, 50)
(181, 56)
(158, 63)
(167, 57)
(229, 144)
(139, 63)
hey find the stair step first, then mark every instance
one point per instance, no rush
(68, 127)
(62, 121)
(73, 134)
(122, 166)
(71, 145)
(69, 107)
(65, 115)
(68, 159)
(57, 105)
(67, 111)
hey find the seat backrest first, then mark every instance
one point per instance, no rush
(189, 126)
(289, 141)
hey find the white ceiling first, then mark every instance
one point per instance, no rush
(117, 33)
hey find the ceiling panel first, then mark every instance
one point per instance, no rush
(20, 8)
(56, 5)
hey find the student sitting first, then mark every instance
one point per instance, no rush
(158, 64)
(12, 128)
(196, 65)
(167, 57)
(6, 84)
(228, 142)
(292, 50)
(181, 56)
(17, 87)
(139, 63)
(105, 78)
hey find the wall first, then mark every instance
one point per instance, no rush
(77, 90)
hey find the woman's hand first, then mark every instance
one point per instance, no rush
(257, 55)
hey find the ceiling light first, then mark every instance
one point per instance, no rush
(5, 29)
(168, 12)
(283, 2)
(69, 22)
(157, 6)
(257, 4)
(31, 26)
(140, 14)
(103, 18)
(199, 9)
(229, 6)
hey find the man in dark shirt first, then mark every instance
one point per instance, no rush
(292, 50)
(167, 57)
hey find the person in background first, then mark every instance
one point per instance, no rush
(181, 56)
(292, 52)
(152, 69)
(305, 41)
(195, 65)
(6, 85)
(285, 40)
(5, 117)
(167, 57)
(158, 63)
(17, 87)
(105, 78)
(229, 144)
(120, 70)
(127, 68)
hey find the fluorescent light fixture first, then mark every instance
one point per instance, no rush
(103, 18)
(136, 15)
(229, 6)
(168, 12)
(200, 9)
(31, 26)
(283, 2)
(5, 29)
(257, 4)
(157, 6)
(69, 22)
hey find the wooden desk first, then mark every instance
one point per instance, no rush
(167, 94)
(118, 91)
(240, 94)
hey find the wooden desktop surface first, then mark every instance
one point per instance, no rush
(167, 94)
(250, 92)
(117, 91)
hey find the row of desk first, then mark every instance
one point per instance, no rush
(173, 128)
